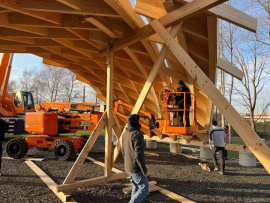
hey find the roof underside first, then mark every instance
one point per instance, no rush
(69, 34)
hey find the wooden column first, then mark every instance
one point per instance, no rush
(252, 140)
(109, 106)
(212, 27)
(147, 86)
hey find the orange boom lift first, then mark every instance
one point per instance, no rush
(168, 125)
(52, 119)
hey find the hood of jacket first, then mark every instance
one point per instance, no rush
(133, 122)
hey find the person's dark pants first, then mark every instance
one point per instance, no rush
(181, 116)
(140, 187)
(0, 154)
(225, 154)
(221, 151)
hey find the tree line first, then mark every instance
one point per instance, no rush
(49, 83)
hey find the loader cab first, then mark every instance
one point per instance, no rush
(23, 102)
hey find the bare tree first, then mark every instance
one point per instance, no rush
(12, 86)
(31, 81)
(71, 87)
(261, 10)
(266, 8)
(53, 79)
(253, 62)
(50, 83)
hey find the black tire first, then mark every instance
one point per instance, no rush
(17, 148)
(85, 139)
(64, 150)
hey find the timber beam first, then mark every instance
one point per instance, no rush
(178, 15)
(230, 69)
(97, 8)
(232, 15)
(89, 182)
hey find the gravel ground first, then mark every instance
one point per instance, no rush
(176, 173)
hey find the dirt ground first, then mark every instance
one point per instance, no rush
(175, 173)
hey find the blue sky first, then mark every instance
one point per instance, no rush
(23, 61)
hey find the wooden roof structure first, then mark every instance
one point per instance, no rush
(110, 47)
(70, 34)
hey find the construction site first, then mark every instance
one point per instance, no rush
(134, 56)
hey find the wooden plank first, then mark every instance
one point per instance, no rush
(229, 68)
(174, 196)
(19, 39)
(89, 182)
(232, 15)
(109, 106)
(149, 183)
(75, 4)
(151, 9)
(14, 5)
(213, 46)
(86, 149)
(192, 26)
(168, 20)
(151, 154)
(103, 165)
(26, 159)
(152, 188)
(146, 88)
(102, 27)
(248, 135)
(68, 21)
(140, 66)
(49, 182)
(126, 10)
(116, 128)
(96, 8)
(4, 22)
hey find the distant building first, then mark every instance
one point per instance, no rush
(257, 116)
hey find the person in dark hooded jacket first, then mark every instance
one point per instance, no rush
(133, 153)
(183, 101)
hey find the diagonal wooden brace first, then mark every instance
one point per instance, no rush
(86, 149)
